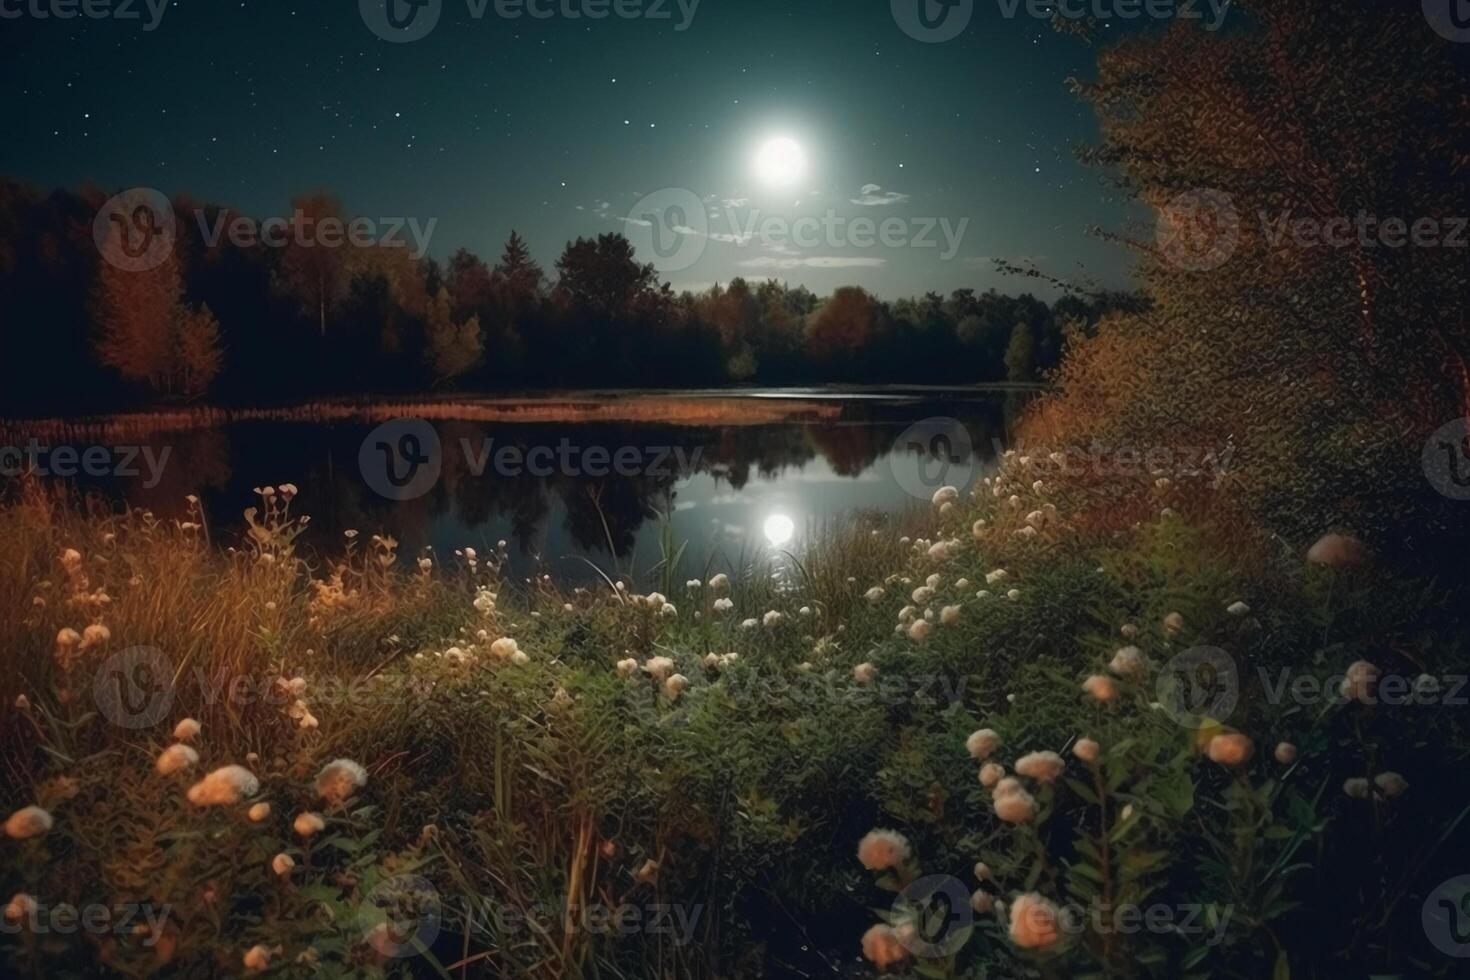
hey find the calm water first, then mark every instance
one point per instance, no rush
(558, 493)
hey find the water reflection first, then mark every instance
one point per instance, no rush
(727, 491)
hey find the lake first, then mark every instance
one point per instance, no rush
(563, 479)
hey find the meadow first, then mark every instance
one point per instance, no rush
(1057, 726)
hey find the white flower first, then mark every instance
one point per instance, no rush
(425, 564)
(722, 606)
(883, 850)
(282, 864)
(520, 658)
(27, 822)
(874, 595)
(668, 610)
(1129, 631)
(1013, 595)
(1356, 788)
(920, 629)
(922, 595)
(1174, 624)
(945, 495)
(626, 667)
(949, 615)
(675, 685)
(978, 529)
(720, 582)
(1390, 784)
(176, 758)
(226, 785)
(1127, 662)
(504, 648)
(772, 619)
(1087, 750)
(983, 743)
(308, 824)
(1044, 767)
(1237, 609)
(749, 624)
(865, 673)
(339, 779)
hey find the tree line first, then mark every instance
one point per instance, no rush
(243, 322)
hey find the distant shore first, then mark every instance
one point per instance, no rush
(720, 406)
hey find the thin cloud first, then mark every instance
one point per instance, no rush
(873, 196)
(813, 262)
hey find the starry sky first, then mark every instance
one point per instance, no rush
(557, 127)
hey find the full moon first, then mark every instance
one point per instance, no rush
(779, 529)
(780, 162)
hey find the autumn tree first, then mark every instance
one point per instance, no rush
(315, 273)
(451, 348)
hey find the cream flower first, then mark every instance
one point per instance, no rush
(882, 946)
(1286, 753)
(675, 686)
(339, 779)
(175, 758)
(27, 822)
(874, 595)
(1390, 784)
(1044, 767)
(883, 850)
(1174, 623)
(282, 864)
(1087, 750)
(1360, 682)
(981, 744)
(659, 668)
(1101, 687)
(949, 615)
(1231, 749)
(1012, 803)
(865, 673)
(991, 773)
(1128, 662)
(226, 785)
(186, 730)
(308, 824)
(626, 667)
(1034, 922)
(920, 629)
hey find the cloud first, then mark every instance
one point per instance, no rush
(813, 262)
(873, 196)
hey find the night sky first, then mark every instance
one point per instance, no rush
(557, 127)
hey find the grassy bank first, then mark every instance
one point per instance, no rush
(673, 777)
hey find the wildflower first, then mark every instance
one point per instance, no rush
(71, 558)
(1231, 749)
(1012, 803)
(1337, 551)
(1390, 784)
(945, 495)
(648, 872)
(675, 686)
(27, 822)
(626, 667)
(772, 619)
(978, 529)
(1127, 662)
(922, 595)
(1087, 750)
(749, 624)
(258, 957)
(981, 744)
(308, 824)
(865, 673)
(1356, 788)
(95, 635)
(883, 850)
(22, 703)
(1174, 624)
(659, 668)
(176, 758)
(882, 946)
(68, 638)
(1361, 679)
(1034, 922)
(1044, 767)
(1129, 631)
(940, 550)
(668, 610)
(1237, 609)
(723, 606)
(874, 595)
(226, 785)
(504, 648)
(982, 901)
(520, 658)
(1013, 595)
(907, 613)
(259, 812)
(186, 730)
(339, 779)
(919, 630)
(983, 872)
(720, 582)
(1286, 753)
(934, 581)
(999, 575)
(693, 584)
(1101, 687)
(991, 773)
(282, 864)
(949, 615)
(20, 908)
